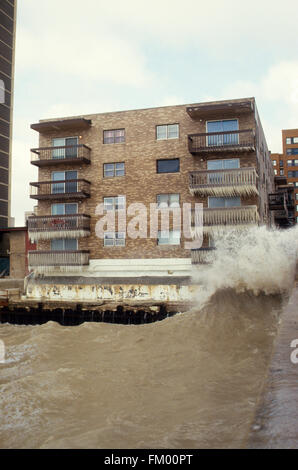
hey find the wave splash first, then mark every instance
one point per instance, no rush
(258, 260)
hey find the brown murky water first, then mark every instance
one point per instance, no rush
(191, 381)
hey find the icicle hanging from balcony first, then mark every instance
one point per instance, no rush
(51, 227)
(54, 234)
(220, 183)
(222, 191)
(61, 261)
(232, 218)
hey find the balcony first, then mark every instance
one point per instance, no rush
(216, 219)
(51, 260)
(222, 142)
(72, 189)
(220, 183)
(203, 255)
(53, 156)
(68, 226)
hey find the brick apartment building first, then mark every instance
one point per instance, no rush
(286, 163)
(212, 153)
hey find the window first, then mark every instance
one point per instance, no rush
(114, 239)
(223, 164)
(63, 186)
(291, 140)
(274, 162)
(296, 195)
(281, 163)
(214, 202)
(168, 237)
(292, 174)
(281, 172)
(293, 151)
(64, 209)
(64, 244)
(168, 200)
(221, 127)
(292, 162)
(275, 172)
(168, 166)
(168, 131)
(114, 203)
(71, 150)
(113, 169)
(114, 136)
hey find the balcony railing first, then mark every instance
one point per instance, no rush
(50, 260)
(203, 255)
(64, 189)
(228, 141)
(74, 154)
(232, 182)
(281, 200)
(70, 226)
(215, 219)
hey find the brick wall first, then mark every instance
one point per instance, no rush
(141, 182)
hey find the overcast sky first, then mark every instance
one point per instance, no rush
(75, 57)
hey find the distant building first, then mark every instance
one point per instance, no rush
(286, 163)
(7, 49)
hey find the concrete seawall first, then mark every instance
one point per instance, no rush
(276, 423)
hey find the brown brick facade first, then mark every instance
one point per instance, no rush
(141, 182)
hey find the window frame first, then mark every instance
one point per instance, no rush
(114, 169)
(115, 202)
(114, 238)
(169, 232)
(168, 206)
(64, 241)
(167, 131)
(164, 160)
(114, 131)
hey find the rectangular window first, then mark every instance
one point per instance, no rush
(168, 166)
(293, 151)
(274, 162)
(275, 172)
(167, 131)
(292, 174)
(281, 163)
(114, 239)
(114, 136)
(63, 186)
(64, 209)
(214, 202)
(281, 172)
(114, 203)
(291, 140)
(69, 150)
(168, 200)
(168, 237)
(222, 137)
(225, 164)
(113, 169)
(64, 244)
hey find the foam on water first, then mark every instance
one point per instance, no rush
(257, 260)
